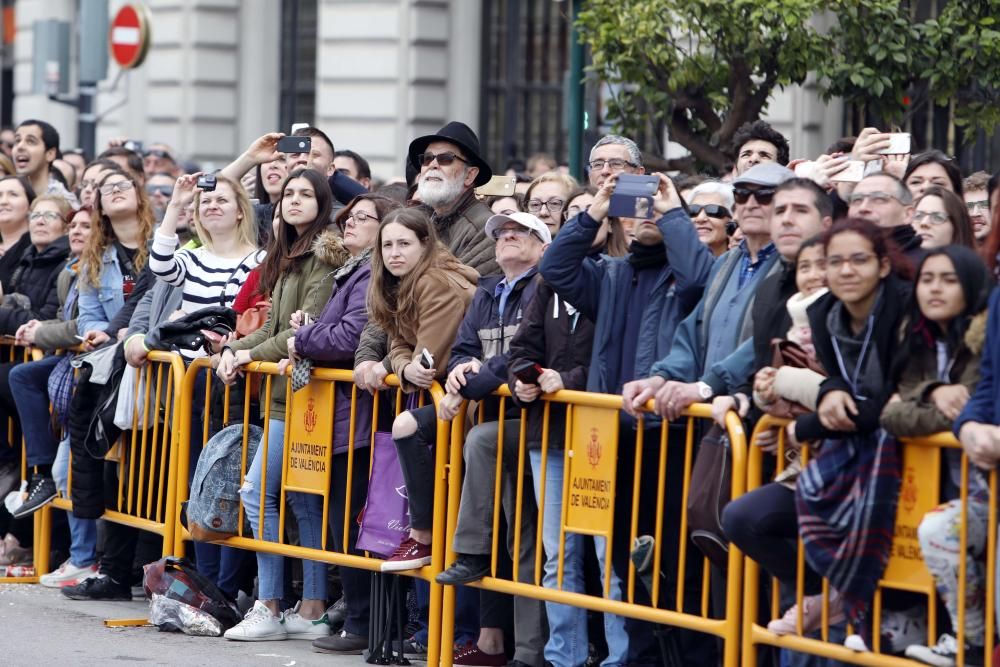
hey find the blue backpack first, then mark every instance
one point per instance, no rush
(213, 509)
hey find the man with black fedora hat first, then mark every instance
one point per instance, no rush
(450, 166)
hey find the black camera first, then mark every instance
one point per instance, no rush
(206, 182)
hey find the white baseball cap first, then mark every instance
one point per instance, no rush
(525, 220)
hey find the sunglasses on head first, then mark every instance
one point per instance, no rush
(711, 210)
(762, 195)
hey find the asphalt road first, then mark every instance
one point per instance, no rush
(38, 626)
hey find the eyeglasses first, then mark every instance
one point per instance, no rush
(443, 159)
(120, 186)
(47, 216)
(763, 196)
(519, 232)
(877, 198)
(616, 164)
(857, 260)
(360, 217)
(973, 205)
(165, 190)
(159, 153)
(934, 217)
(574, 211)
(554, 205)
(711, 210)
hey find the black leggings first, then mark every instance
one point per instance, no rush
(764, 525)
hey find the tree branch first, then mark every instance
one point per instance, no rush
(682, 133)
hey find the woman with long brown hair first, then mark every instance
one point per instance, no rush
(115, 254)
(298, 273)
(418, 294)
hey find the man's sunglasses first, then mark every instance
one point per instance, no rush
(762, 195)
(443, 159)
(711, 210)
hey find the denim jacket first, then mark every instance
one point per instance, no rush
(99, 305)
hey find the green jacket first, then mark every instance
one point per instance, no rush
(915, 414)
(307, 289)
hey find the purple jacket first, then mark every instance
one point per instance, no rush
(331, 342)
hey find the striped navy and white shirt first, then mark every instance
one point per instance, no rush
(206, 278)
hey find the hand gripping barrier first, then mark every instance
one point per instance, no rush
(603, 479)
(299, 475)
(922, 467)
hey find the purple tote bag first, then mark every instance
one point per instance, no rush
(385, 523)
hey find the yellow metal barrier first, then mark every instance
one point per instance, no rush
(904, 572)
(592, 422)
(12, 353)
(147, 458)
(268, 374)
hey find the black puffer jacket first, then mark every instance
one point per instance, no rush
(550, 336)
(35, 277)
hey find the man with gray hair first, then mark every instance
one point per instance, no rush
(884, 200)
(613, 154)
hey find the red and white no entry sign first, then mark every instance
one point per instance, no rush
(129, 36)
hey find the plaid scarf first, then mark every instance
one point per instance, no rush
(846, 504)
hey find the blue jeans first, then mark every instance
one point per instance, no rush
(82, 532)
(308, 509)
(31, 397)
(567, 644)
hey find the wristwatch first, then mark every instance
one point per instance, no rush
(704, 390)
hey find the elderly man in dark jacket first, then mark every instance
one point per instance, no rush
(450, 167)
(636, 303)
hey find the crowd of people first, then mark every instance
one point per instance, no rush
(859, 308)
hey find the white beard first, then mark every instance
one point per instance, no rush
(437, 194)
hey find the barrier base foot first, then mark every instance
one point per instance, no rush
(125, 622)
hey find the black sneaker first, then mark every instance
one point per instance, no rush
(466, 569)
(342, 642)
(101, 587)
(41, 491)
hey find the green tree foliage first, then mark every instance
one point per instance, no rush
(704, 67)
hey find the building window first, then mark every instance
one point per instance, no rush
(525, 60)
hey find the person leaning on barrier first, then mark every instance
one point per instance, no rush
(330, 342)
(302, 274)
(559, 338)
(636, 303)
(43, 451)
(478, 367)
(418, 295)
(941, 342)
(846, 533)
(450, 165)
(112, 267)
(713, 351)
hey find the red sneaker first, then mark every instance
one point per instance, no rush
(470, 656)
(410, 555)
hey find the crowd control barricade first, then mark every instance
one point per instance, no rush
(146, 456)
(605, 475)
(307, 469)
(11, 353)
(923, 464)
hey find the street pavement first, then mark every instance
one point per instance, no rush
(38, 626)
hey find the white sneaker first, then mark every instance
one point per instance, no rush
(68, 575)
(259, 625)
(298, 627)
(856, 643)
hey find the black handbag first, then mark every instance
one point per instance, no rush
(187, 333)
(710, 491)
